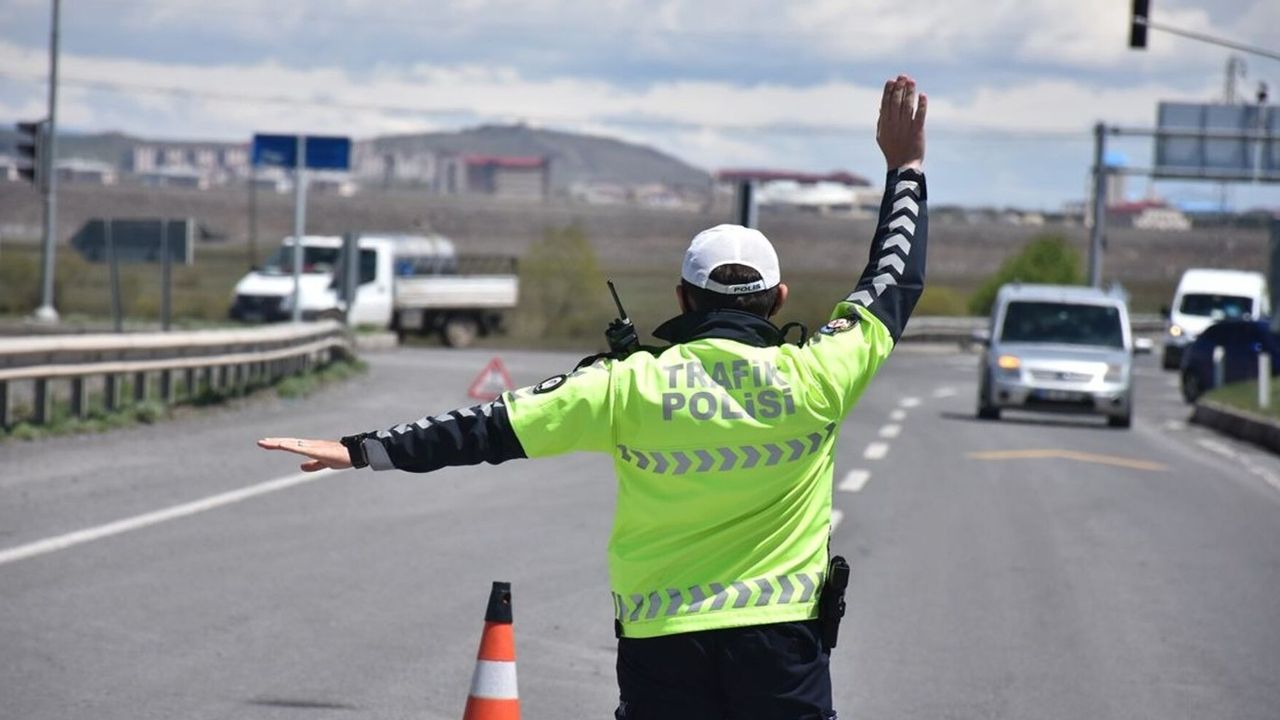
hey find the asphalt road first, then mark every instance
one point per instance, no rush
(1032, 568)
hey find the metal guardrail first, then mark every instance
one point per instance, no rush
(225, 360)
(960, 330)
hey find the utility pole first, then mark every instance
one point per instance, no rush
(1098, 229)
(46, 311)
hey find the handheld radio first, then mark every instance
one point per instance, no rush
(621, 334)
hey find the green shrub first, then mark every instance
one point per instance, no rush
(1048, 259)
(940, 300)
(562, 290)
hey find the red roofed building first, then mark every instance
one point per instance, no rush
(523, 177)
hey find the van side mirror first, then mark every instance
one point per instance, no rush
(980, 336)
(1164, 311)
(1143, 346)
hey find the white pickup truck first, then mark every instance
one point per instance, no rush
(407, 283)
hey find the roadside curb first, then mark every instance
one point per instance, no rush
(1237, 423)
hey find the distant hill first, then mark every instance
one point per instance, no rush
(575, 157)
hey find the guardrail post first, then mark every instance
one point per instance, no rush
(4, 405)
(1264, 380)
(43, 402)
(140, 387)
(1219, 369)
(166, 386)
(238, 377)
(79, 398)
(189, 380)
(111, 393)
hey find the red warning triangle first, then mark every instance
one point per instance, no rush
(492, 381)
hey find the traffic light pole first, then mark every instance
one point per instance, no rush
(46, 311)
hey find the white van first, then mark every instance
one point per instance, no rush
(407, 283)
(1206, 296)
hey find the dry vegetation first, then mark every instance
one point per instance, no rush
(640, 249)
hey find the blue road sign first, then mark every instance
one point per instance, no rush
(322, 152)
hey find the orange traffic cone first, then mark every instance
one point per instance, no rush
(493, 686)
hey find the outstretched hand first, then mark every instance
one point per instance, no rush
(900, 129)
(320, 454)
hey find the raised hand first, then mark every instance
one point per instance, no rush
(900, 129)
(321, 454)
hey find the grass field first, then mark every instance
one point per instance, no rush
(1244, 395)
(202, 294)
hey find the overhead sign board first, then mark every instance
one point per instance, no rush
(322, 152)
(1217, 142)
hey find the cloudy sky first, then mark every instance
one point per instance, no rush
(1015, 85)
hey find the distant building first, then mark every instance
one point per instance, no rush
(839, 192)
(331, 183)
(521, 177)
(1148, 215)
(80, 170)
(389, 168)
(216, 163)
(176, 177)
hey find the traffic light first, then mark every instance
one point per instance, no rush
(31, 151)
(1138, 24)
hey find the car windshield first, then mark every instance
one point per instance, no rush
(314, 260)
(1222, 307)
(1063, 324)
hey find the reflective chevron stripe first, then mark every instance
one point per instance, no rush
(898, 232)
(796, 588)
(726, 458)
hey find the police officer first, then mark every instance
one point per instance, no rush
(724, 445)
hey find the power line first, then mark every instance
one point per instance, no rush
(799, 129)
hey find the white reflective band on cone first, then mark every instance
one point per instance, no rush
(494, 680)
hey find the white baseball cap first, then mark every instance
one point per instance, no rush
(730, 245)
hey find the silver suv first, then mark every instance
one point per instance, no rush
(1058, 348)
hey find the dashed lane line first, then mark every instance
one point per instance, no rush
(898, 415)
(836, 517)
(944, 392)
(854, 480)
(909, 402)
(890, 431)
(137, 522)
(876, 450)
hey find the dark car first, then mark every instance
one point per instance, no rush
(1241, 341)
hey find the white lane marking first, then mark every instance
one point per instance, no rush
(854, 480)
(836, 517)
(876, 450)
(944, 392)
(137, 522)
(910, 402)
(890, 431)
(1225, 450)
(898, 415)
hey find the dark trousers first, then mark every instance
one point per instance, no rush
(761, 672)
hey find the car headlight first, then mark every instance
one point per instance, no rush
(1009, 363)
(1175, 331)
(1115, 373)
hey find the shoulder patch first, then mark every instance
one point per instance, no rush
(551, 383)
(839, 325)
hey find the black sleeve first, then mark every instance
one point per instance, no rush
(893, 280)
(467, 436)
